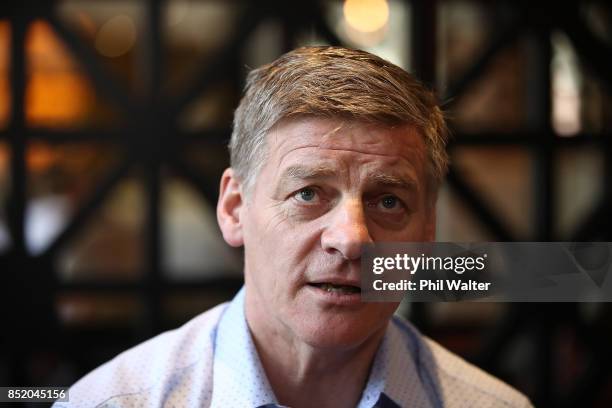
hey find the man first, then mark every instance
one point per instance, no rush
(331, 149)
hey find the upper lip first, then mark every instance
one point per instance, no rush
(337, 281)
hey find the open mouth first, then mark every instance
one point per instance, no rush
(341, 289)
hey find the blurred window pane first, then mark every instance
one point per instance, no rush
(509, 193)
(193, 32)
(463, 31)
(495, 101)
(114, 31)
(192, 242)
(93, 310)
(579, 174)
(213, 109)
(180, 306)
(110, 244)
(457, 223)
(60, 178)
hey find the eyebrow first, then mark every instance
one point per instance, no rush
(306, 172)
(389, 180)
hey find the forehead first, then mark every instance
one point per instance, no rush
(322, 138)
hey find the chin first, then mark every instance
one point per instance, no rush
(345, 335)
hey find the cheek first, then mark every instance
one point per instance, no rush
(274, 260)
(260, 238)
(417, 229)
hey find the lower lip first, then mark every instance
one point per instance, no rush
(336, 298)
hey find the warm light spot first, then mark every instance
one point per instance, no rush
(116, 37)
(57, 99)
(57, 94)
(40, 157)
(5, 37)
(366, 15)
(4, 158)
(5, 100)
(45, 51)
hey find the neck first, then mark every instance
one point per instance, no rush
(302, 375)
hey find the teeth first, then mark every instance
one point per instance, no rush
(338, 288)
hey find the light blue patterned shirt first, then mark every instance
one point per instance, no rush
(211, 361)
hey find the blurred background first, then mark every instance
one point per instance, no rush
(114, 120)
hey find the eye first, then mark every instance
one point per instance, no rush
(389, 202)
(306, 194)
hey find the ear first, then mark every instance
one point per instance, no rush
(229, 208)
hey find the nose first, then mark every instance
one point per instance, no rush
(347, 230)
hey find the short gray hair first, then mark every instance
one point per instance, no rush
(333, 82)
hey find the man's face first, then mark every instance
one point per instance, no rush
(326, 188)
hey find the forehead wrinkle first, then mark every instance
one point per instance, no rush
(406, 179)
(323, 136)
(285, 154)
(344, 149)
(411, 155)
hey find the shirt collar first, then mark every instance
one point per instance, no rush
(394, 379)
(240, 380)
